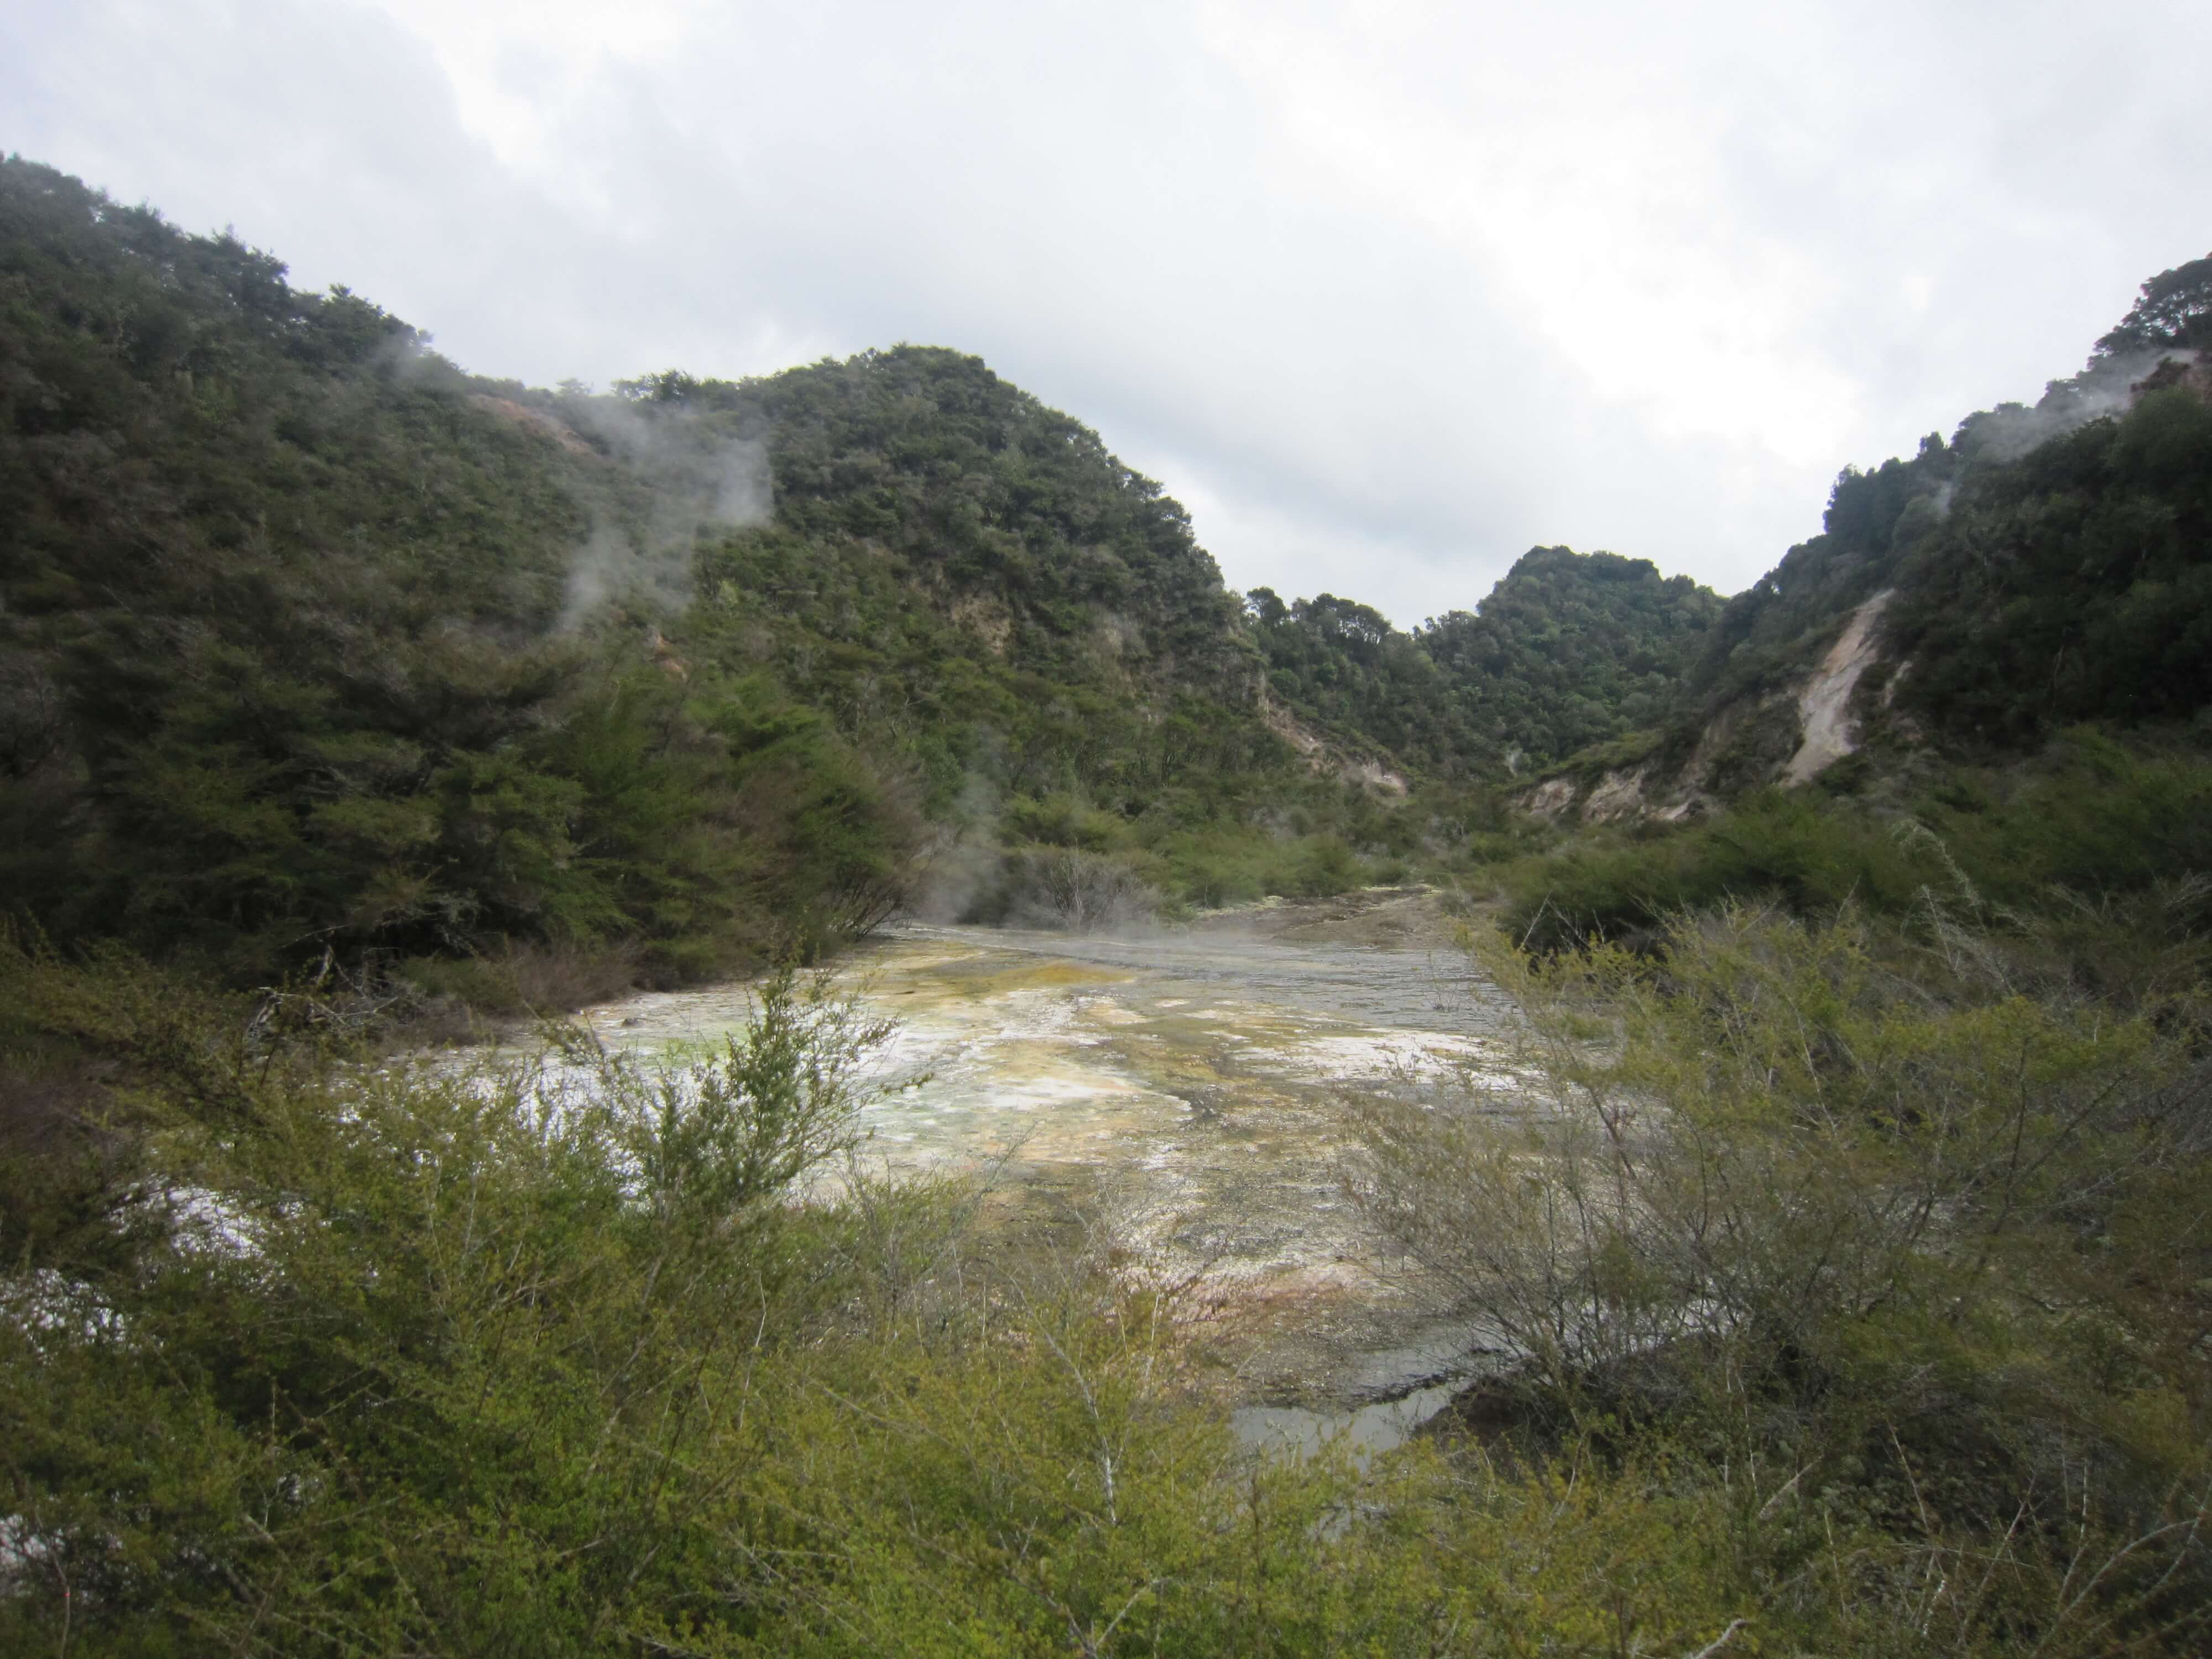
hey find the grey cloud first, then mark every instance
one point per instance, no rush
(1095, 201)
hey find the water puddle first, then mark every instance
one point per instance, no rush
(1363, 1430)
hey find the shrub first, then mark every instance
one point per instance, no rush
(402, 1359)
(1065, 887)
(2092, 817)
(1795, 1196)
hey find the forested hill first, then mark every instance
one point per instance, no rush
(972, 578)
(313, 642)
(2047, 565)
(1568, 650)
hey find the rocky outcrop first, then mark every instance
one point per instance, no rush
(1374, 777)
(987, 619)
(1321, 756)
(1617, 796)
(1551, 800)
(1284, 725)
(1623, 794)
(1824, 705)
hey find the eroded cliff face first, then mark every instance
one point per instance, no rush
(1789, 737)
(1322, 755)
(1622, 794)
(1824, 705)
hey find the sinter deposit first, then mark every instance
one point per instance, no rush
(1185, 1090)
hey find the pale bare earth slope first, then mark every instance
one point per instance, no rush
(1823, 705)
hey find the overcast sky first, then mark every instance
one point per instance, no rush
(1385, 293)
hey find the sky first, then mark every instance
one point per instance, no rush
(1385, 293)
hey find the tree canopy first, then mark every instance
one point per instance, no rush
(2175, 309)
(1569, 649)
(291, 658)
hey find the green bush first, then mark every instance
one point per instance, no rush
(1910, 1225)
(1890, 1351)
(1064, 887)
(2092, 817)
(1066, 820)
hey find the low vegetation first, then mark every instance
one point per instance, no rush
(1896, 1234)
(1859, 1272)
(2089, 825)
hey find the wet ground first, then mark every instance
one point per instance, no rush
(1186, 1091)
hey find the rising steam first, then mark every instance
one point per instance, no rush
(699, 476)
(2107, 386)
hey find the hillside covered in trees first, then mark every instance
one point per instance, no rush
(2011, 630)
(294, 658)
(314, 645)
(313, 642)
(967, 582)
(1568, 650)
(2049, 563)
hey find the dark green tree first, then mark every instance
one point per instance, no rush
(2175, 309)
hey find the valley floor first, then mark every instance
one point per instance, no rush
(1179, 1095)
